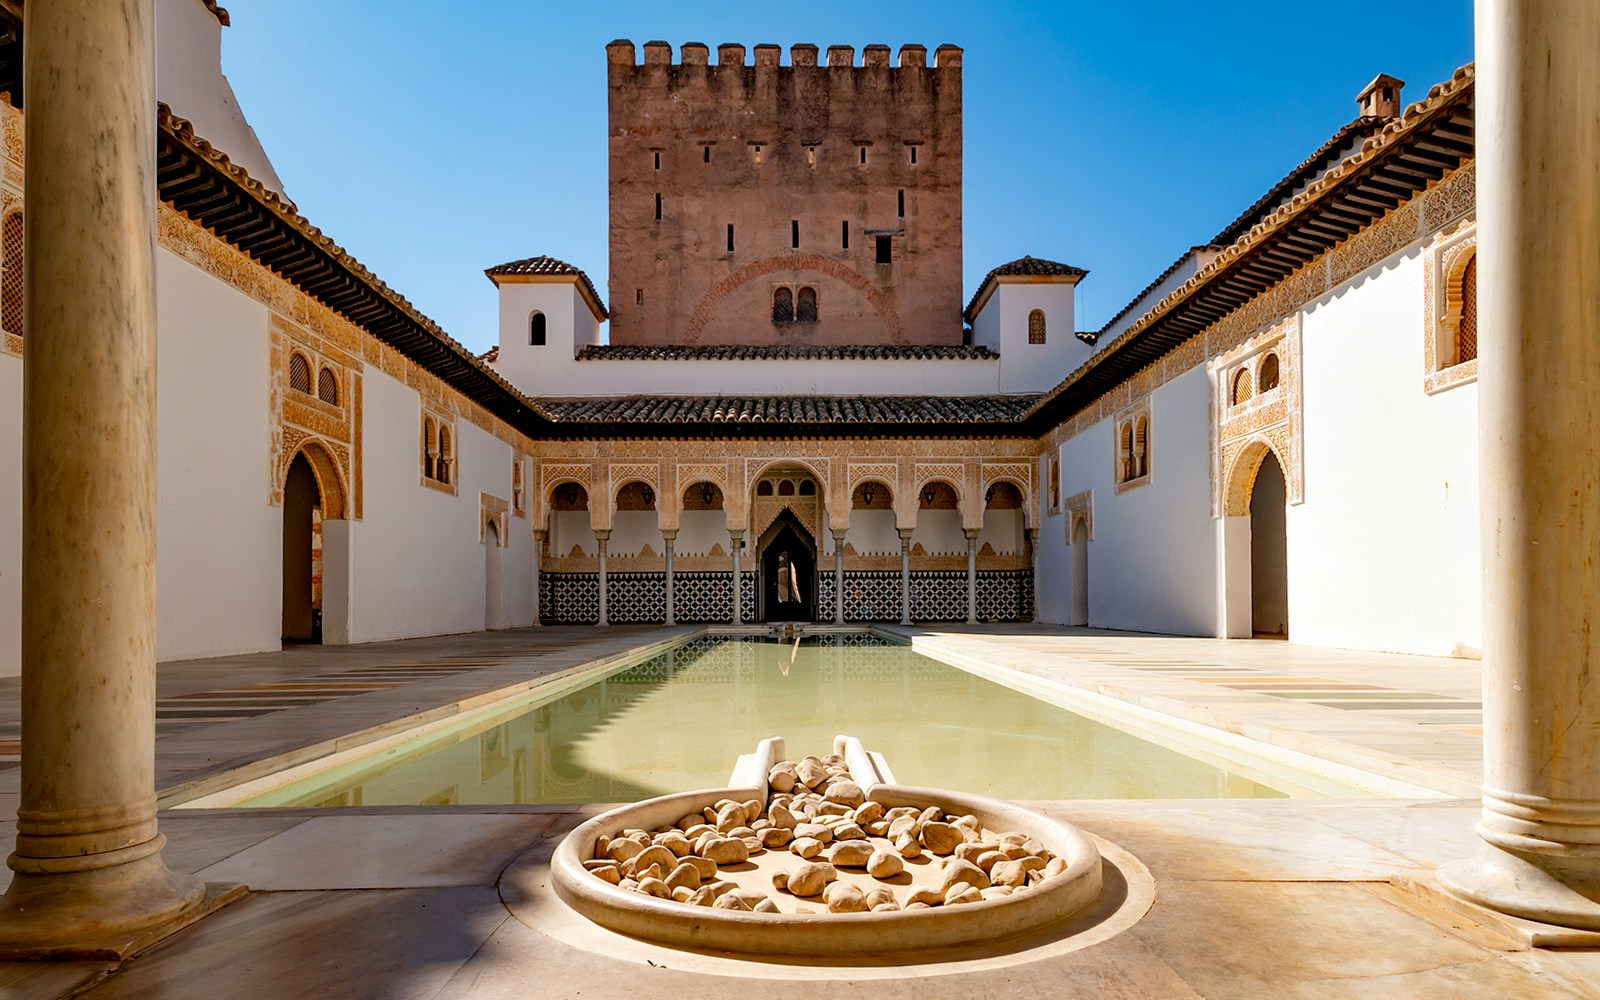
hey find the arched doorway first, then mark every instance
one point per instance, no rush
(494, 610)
(302, 570)
(1269, 552)
(1080, 573)
(788, 561)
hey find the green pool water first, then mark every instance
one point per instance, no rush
(678, 721)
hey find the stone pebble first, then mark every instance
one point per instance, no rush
(817, 812)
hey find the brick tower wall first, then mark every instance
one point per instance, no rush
(767, 149)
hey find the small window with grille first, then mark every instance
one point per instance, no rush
(328, 386)
(805, 309)
(299, 373)
(11, 274)
(1241, 386)
(782, 305)
(1467, 330)
(1036, 327)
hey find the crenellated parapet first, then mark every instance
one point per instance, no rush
(767, 56)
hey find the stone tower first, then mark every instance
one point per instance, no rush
(773, 204)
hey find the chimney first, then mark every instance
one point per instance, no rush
(1381, 97)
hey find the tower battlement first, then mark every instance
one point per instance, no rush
(755, 201)
(732, 55)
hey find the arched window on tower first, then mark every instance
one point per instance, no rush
(806, 306)
(1467, 330)
(536, 324)
(11, 274)
(1036, 327)
(782, 305)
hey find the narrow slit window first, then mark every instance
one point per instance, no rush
(730, 237)
(863, 156)
(707, 151)
(885, 250)
(913, 154)
(658, 161)
(758, 153)
(638, 296)
(902, 204)
(811, 156)
(794, 233)
(844, 235)
(658, 206)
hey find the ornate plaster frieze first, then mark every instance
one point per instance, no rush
(1444, 265)
(1248, 425)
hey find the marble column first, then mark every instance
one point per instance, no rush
(972, 574)
(736, 542)
(88, 852)
(1033, 570)
(667, 538)
(1538, 204)
(838, 574)
(905, 575)
(601, 538)
(538, 583)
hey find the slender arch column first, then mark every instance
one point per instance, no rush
(736, 542)
(538, 571)
(972, 574)
(601, 537)
(905, 575)
(1538, 121)
(838, 574)
(668, 537)
(89, 875)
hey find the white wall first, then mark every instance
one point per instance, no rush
(1384, 553)
(189, 79)
(1152, 562)
(417, 565)
(10, 515)
(219, 551)
(699, 530)
(873, 532)
(1026, 367)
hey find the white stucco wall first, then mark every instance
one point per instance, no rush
(10, 515)
(218, 539)
(699, 530)
(1384, 553)
(417, 565)
(1002, 325)
(1152, 561)
(189, 79)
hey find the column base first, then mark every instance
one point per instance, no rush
(106, 914)
(1515, 884)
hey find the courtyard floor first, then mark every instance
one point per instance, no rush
(1253, 898)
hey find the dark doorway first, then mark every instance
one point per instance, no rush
(788, 571)
(302, 509)
(1269, 552)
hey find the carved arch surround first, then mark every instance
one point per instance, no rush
(707, 306)
(1241, 478)
(325, 467)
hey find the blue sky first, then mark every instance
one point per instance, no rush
(434, 140)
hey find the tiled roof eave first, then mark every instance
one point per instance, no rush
(1436, 121)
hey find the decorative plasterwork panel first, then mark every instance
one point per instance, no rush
(691, 473)
(949, 472)
(1266, 421)
(1019, 474)
(1128, 451)
(299, 419)
(1444, 263)
(806, 509)
(885, 472)
(553, 474)
(493, 510)
(622, 473)
(1079, 507)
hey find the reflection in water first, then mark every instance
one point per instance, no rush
(678, 721)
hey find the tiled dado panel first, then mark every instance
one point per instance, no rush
(641, 598)
(936, 596)
(704, 598)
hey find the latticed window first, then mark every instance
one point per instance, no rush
(806, 306)
(328, 386)
(1467, 331)
(1036, 327)
(1126, 465)
(782, 306)
(1241, 386)
(430, 448)
(299, 373)
(11, 273)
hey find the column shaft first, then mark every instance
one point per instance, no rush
(736, 539)
(601, 538)
(538, 583)
(972, 577)
(905, 576)
(838, 576)
(667, 538)
(1538, 126)
(88, 852)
